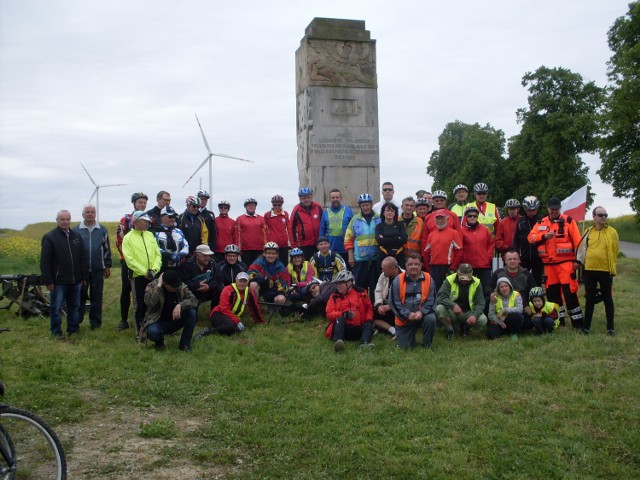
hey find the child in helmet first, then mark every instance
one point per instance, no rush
(301, 273)
(544, 314)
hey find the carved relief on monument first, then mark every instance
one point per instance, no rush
(345, 106)
(341, 64)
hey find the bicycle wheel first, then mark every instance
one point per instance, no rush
(7, 454)
(38, 453)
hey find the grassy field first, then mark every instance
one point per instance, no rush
(276, 402)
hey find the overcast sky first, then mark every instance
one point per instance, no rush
(115, 85)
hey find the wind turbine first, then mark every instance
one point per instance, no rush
(96, 191)
(208, 159)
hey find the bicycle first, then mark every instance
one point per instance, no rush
(29, 448)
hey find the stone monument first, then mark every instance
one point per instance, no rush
(337, 107)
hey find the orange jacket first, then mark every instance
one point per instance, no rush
(563, 246)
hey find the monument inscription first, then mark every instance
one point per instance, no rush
(337, 104)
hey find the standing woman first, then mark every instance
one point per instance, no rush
(391, 235)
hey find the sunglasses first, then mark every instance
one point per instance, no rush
(387, 189)
(276, 204)
(472, 216)
(602, 215)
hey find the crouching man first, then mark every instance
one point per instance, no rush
(413, 299)
(170, 307)
(461, 302)
(350, 313)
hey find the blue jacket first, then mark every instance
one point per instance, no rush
(96, 246)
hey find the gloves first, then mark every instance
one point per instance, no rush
(240, 326)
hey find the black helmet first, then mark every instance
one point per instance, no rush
(138, 196)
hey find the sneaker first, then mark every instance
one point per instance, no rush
(611, 333)
(366, 346)
(395, 335)
(449, 334)
(123, 326)
(585, 331)
(185, 348)
(338, 346)
(465, 330)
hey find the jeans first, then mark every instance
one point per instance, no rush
(406, 334)
(70, 294)
(93, 291)
(513, 322)
(166, 326)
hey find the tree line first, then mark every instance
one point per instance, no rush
(565, 118)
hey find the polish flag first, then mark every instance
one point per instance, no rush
(575, 205)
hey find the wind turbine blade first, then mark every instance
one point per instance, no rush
(197, 169)
(206, 144)
(113, 185)
(93, 194)
(234, 158)
(88, 175)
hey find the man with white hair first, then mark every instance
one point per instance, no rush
(98, 251)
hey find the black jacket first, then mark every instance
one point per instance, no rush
(63, 260)
(229, 271)
(190, 271)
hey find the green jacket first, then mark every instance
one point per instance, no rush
(154, 300)
(448, 294)
(141, 252)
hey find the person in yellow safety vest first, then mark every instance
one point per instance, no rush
(413, 224)
(505, 316)
(226, 317)
(412, 298)
(556, 238)
(461, 193)
(461, 301)
(488, 212)
(334, 222)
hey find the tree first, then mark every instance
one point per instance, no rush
(469, 154)
(620, 144)
(560, 123)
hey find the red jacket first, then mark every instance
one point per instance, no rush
(278, 228)
(251, 232)
(506, 232)
(226, 227)
(356, 300)
(305, 225)
(442, 247)
(229, 300)
(477, 246)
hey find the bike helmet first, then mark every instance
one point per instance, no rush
(460, 186)
(471, 209)
(192, 200)
(250, 200)
(277, 199)
(137, 196)
(271, 246)
(232, 248)
(364, 198)
(512, 203)
(224, 203)
(296, 252)
(439, 194)
(480, 188)
(305, 191)
(203, 194)
(343, 276)
(422, 201)
(536, 292)
(531, 203)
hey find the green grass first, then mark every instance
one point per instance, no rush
(276, 402)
